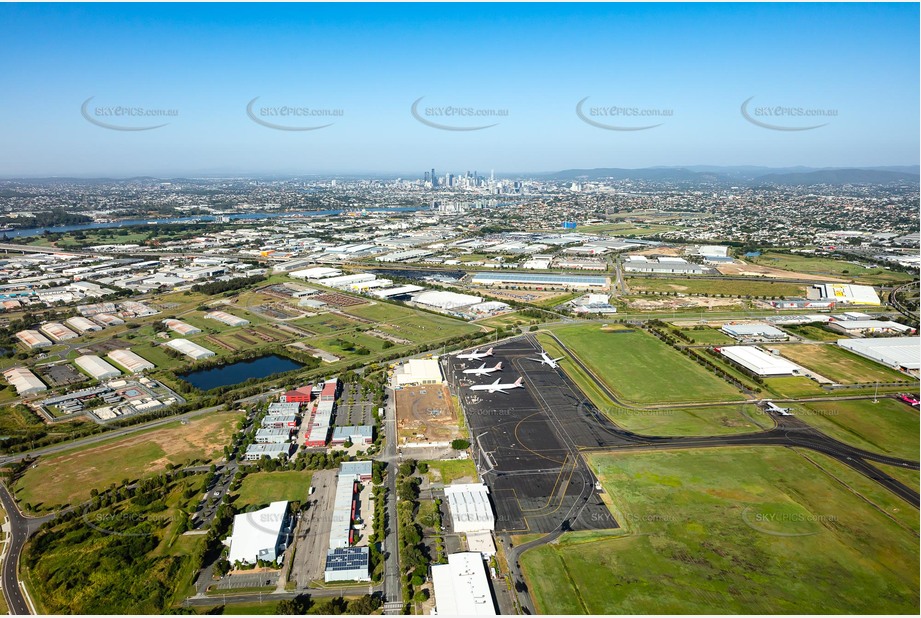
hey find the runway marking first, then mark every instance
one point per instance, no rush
(521, 443)
(552, 490)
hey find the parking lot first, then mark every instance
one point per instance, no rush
(359, 412)
(526, 443)
(237, 581)
(311, 537)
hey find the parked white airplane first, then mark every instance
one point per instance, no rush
(483, 370)
(546, 360)
(475, 355)
(496, 387)
(775, 408)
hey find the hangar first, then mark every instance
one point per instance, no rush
(470, 508)
(190, 349)
(130, 361)
(759, 361)
(418, 371)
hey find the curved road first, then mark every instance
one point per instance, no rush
(21, 528)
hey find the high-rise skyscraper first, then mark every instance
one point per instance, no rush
(434, 178)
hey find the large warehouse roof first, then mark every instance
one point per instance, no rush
(470, 508)
(759, 361)
(897, 352)
(256, 534)
(540, 279)
(753, 330)
(461, 586)
(96, 367)
(418, 371)
(181, 327)
(189, 348)
(130, 361)
(445, 300)
(847, 293)
(24, 381)
(33, 339)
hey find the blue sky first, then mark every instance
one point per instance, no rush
(698, 61)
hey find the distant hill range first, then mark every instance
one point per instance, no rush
(750, 175)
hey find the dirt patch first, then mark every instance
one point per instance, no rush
(697, 302)
(746, 269)
(426, 414)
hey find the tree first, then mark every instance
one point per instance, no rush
(460, 444)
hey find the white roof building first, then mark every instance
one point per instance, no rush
(130, 361)
(189, 348)
(317, 272)
(446, 300)
(33, 339)
(181, 327)
(869, 326)
(24, 381)
(57, 331)
(418, 371)
(745, 331)
(849, 294)
(96, 367)
(226, 318)
(258, 535)
(462, 587)
(759, 361)
(82, 324)
(902, 353)
(470, 508)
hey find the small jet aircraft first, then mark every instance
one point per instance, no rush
(483, 370)
(475, 355)
(546, 360)
(497, 387)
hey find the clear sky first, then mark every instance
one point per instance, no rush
(698, 61)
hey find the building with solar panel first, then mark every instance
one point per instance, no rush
(345, 564)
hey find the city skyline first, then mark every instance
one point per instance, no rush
(320, 89)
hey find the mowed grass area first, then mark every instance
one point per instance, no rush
(715, 286)
(712, 336)
(261, 488)
(68, 477)
(811, 331)
(758, 530)
(799, 386)
(406, 323)
(699, 421)
(838, 364)
(451, 470)
(831, 267)
(889, 426)
(642, 369)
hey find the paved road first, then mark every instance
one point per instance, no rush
(21, 528)
(393, 589)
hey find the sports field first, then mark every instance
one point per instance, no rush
(641, 369)
(889, 427)
(758, 530)
(69, 476)
(715, 287)
(838, 364)
(261, 488)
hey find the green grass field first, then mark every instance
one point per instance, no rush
(827, 266)
(710, 336)
(260, 488)
(889, 426)
(715, 287)
(798, 386)
(68, 477)
(642, 369)
(750, 530)
(838, 364)
(701, 421)
(811, 331)
(451, 470)
(416, 326)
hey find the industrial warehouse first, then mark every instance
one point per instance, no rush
(189, 348)
(462, 586)
(96, 367)
(902, 353)
(259, 535)
(33, 339)
(759, 362)
(540, 280)
(24, 381)
(180, 327)
(130, 361)
(226, 318)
